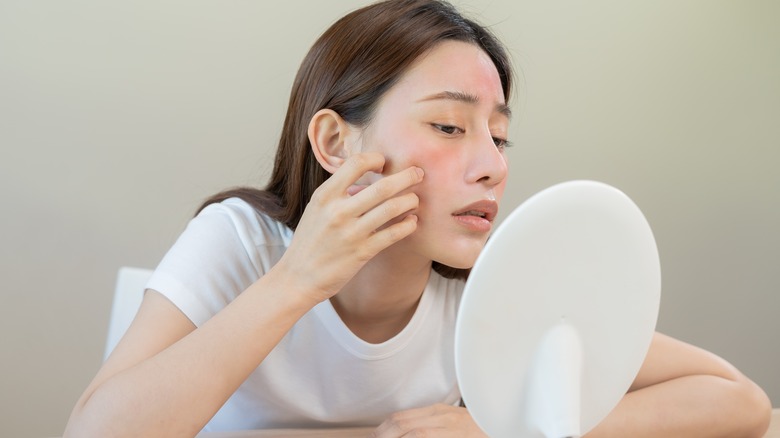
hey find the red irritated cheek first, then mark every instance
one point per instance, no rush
(420, 155)
(440, 173)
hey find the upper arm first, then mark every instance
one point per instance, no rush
(669, 358)
(708, 392)
(157, 325)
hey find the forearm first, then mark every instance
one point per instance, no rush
(690, 406)
(175, 392)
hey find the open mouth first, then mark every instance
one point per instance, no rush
(484, 209)
(481, 214)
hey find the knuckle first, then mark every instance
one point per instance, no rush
(337, 217)
(364, 161)
(393, 235)
(365, 253)
(358, 160)
(396, 419)
(397, 206)
(382, 191)
(452, 418)
(317, 197)
(394, 207)
(329, 210)
(398, 231)
(399, 427)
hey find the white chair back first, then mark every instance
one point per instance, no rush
(129, 292)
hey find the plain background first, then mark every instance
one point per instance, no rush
(117, 119)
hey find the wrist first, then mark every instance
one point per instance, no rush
(290, 288)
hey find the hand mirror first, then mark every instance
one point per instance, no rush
(558, 313)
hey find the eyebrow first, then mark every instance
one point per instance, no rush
(470, 99)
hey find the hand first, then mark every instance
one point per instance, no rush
(439, 420)
(343, 226)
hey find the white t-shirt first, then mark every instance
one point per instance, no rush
(320, 374)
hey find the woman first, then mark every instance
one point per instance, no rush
(329, 298)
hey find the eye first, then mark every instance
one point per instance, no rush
(447, 129)
(501, 143)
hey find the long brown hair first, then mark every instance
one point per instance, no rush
(348, 69)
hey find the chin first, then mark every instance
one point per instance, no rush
(458, 252)
(462, 260)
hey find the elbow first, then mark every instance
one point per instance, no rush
(81, 427)
(78, 427)
(755, 409)
(75, 428)
(84, 422)
(762, 416)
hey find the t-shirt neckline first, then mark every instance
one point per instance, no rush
(366, 350)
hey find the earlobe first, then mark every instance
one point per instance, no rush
(327, 135)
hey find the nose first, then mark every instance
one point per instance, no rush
(486, 162)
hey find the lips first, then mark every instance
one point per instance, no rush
(483, 209)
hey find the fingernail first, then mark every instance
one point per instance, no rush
(419, 171)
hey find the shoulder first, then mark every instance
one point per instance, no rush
(251, 226)
(223, 250)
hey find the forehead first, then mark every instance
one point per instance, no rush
(451, 66)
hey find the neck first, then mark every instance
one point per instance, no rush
(378, 302)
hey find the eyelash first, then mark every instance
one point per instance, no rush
(447, 129)
(500, 143)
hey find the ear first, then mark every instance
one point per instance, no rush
(328, 134)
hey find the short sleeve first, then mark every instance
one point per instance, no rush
(222, 251)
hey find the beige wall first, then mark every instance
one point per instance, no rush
(117, 119)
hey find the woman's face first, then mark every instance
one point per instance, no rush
(447, 115)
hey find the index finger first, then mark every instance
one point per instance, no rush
(355, 167)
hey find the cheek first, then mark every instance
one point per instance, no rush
(431, 162)
(435, 190)
(435, 163)
(396, 142)
(409, 150)
(406, 145)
